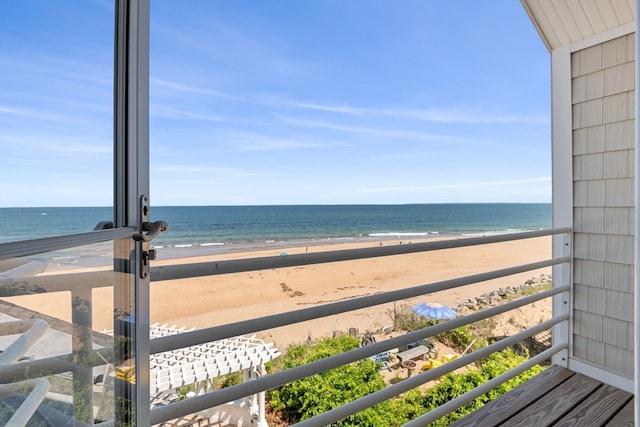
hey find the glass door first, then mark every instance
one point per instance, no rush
(75, 222)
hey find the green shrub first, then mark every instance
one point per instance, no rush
(321, 392)
(459, 339)
(300, 354)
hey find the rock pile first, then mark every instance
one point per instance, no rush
(497, 296)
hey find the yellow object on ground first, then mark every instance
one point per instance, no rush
(126, 372)
(431, 363)
(448, 357)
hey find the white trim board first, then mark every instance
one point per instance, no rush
(607, 377)
(614, 33)
(562, 187)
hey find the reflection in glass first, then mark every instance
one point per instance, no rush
(56, 364)
(56, 103)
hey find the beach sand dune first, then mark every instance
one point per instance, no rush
(208, 301)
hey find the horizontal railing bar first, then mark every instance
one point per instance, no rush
(100, 279)
(459, 401)
(184, 271)
(55, 243)
(55, 365)
(64, 282)
(60, 364)
(214, 333)
(199, 403)
(30, 369)
(394, 390)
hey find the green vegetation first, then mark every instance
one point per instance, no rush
(458, 339)
(317, 394)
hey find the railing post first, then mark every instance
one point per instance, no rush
(82, 344)
(562, 195)
(561, 333)
(262, 420)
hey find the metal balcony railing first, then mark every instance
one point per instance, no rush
(79, 283)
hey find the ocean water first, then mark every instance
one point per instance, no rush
(214, 229)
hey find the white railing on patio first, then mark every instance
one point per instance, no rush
(201, 402)
(81, 282)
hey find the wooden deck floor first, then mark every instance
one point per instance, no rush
(557, 397)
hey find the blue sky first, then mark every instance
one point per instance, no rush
(282, 102)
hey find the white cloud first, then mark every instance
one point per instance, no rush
(40, 115)
(387, 133)
(203, 170)
(196, 90)
(256, 142)
(460, 115)
(176, 113)
(455, 186)
(404, 156)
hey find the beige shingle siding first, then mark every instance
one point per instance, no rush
(603, 172)
(588, 113)
(596, 139)
(619, 135)
(590, 326)
(588, 349)
(619, 192)
(620, 250)
(616, 333)
(614, 52)
(618, 277)
(589, 140)
(589, 220)
(592, 273)
(619, 305)
(618, 359)
(590, 60)
(619, 79)
(618, 220)
(614, 107)
(591, 166)
(580, 194)
(588, 88)
(616, 164)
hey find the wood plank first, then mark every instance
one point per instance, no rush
(413, 353)
(597, 409)
(515, 400)
(625, 417)
(554, 405)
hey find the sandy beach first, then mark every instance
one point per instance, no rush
(215, 300)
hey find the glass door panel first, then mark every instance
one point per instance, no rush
(72, 129)
(56, 115)
(56, 334)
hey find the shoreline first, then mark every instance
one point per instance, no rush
(100, 255)
(73, 260)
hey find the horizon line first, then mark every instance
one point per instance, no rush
(291, 204)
